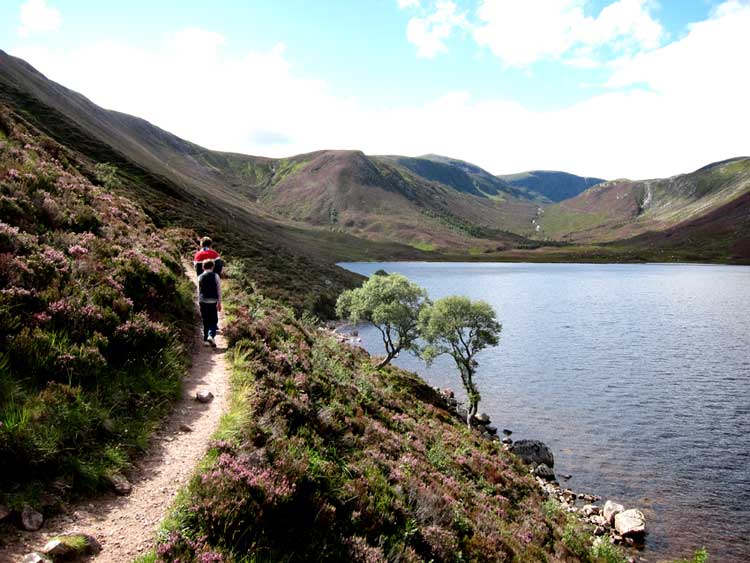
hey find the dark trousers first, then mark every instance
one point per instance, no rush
(210, 317)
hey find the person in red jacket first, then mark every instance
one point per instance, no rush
(207, 253)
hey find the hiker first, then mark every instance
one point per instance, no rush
(207, 253)
(209, 299)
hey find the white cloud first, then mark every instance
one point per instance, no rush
(521, 33)
(693, 111)
(37, 16)
(405, 4)
(430, 32)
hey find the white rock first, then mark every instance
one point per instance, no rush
(598, 520)
(590, 509)
(35, 557)
(204, 396)
(611, 509)
(56, 549)
(630, 523)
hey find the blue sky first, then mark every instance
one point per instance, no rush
(608, 87)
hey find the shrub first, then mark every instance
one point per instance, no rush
(92, 306)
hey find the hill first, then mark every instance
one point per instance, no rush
(622, 209)
(182, 184)
(293, 218)
(553, 185)
(375, 198)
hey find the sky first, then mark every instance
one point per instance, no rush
(606, 88)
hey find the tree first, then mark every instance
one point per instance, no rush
(460, 328)
(391, 303)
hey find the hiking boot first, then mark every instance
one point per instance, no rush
(212, 342)
(205, 342)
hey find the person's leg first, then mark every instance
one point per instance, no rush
(205, 317)
(213, 321)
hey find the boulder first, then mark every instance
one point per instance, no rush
(204, 396)
(507, 432)
(610, 510)
(120, 484)
(483, 419)
(545, 472)
(507, 441)
(533, 452)
(630, 523)
(57, 549)
(491, 430)
(31, 520)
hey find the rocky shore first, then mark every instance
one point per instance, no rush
(610, 521)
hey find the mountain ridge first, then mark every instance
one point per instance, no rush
(326, 206)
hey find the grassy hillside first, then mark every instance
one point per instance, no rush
(553, 185)
(370, 197)
(324, 458)
(93, 310)
(623, 209)
(181, 184)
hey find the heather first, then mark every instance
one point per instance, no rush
(92, 308)
(324, 457)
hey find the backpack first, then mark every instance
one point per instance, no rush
(208, 286)
(218, 267)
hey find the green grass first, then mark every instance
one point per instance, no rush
(425, 246)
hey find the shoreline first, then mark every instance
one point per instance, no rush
(602, 519)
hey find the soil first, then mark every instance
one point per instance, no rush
(126, 525)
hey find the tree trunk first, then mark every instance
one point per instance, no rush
(386, 360)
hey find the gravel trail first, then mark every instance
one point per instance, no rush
(125, 525)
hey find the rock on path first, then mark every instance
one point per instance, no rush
(125, 525)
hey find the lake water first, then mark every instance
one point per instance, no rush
(637, 377)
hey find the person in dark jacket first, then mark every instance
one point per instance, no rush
(209, 299)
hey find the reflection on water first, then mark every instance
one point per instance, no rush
(637, 376)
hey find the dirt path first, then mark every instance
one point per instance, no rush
(125, 526)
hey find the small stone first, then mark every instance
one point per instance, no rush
(185, 428)
(610, 510)
(545, 472)
(31, 520)
(491, 430)
(507, 432)
(629, 523)
(204, 396)
(35, 557)
(590, 509)
(4, 512)
(120, 484)
(598, 520)
(507, 441)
